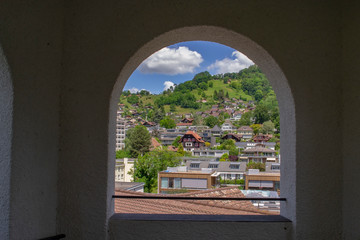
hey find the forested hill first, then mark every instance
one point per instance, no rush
(205, 90)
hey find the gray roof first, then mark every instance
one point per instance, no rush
(259, 149)
(216, 128)
(222, 166)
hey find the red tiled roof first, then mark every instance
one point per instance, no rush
(172, 148)
(168, 206)
(154, 143)
(184, 124)
(195, 135)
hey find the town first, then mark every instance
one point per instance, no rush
(223, 144)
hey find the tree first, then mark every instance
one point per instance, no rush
(176, 143)
(211, 84)
(211, 121)
(245, 119)
(256, 128)
(224, 157)
(261, 114)
(133, 99)
(146, 167)
(203, 86)
(126, 93)
(168, 123)
(122, 154)
(255, 165)
(268, 127)
(259, 95)
(197, 119)
(138, 141)
(172, 108)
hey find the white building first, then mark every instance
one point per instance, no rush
(122, 168)
(228, 126)
(120, 131)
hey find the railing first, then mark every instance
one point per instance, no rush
(198, 198)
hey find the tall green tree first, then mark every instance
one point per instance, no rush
(268, 127)
(146, 167)
(168, 123)
(138, 141)
(245, 119)
(211, 121)
(261, 114)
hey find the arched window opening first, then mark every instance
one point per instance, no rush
(198, 119)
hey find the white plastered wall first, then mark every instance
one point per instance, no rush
(101, 38)
(30, 35)
(304, 37)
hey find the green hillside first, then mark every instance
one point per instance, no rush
(248, 84)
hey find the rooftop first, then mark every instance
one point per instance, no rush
(168, 206)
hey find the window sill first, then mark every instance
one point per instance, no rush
(198, 218)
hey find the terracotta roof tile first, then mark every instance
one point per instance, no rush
(166, 206)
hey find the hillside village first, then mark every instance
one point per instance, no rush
(227, 136)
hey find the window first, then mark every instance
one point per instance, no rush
(194, 165)
(164, 182)
(234, 166)
(213, 165)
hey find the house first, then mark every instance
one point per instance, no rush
(254, 179)
(235, 137)
(129, 186)
(192, 141)
(259, 153)
(216, 131)
(154, 144)
(246, 145)
(259, 138)
(223, 170)
(227, 126)
(122, 168)
(169, 136)
(209, 153)
(175, 179)
(246, 132)
(237, 115)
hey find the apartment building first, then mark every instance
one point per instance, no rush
(120, 131)
(180, 179)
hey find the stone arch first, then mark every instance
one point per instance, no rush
(256, 53)
(6, 112)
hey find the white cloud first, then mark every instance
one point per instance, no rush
(135, 90)
(171, 61)
(231, 65)
(168, 84)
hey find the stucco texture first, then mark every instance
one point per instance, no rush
(64, 64)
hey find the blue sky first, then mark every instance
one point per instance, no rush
(180, 62)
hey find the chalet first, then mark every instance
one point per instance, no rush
(235, 137)
(246, 132)
(228, 126)
(192, 141)
(237, 115)
(187, 120)
(216, 131)
(259, 153)
(148, 124)
(262, 138)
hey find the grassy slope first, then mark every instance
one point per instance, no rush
(217, 85)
